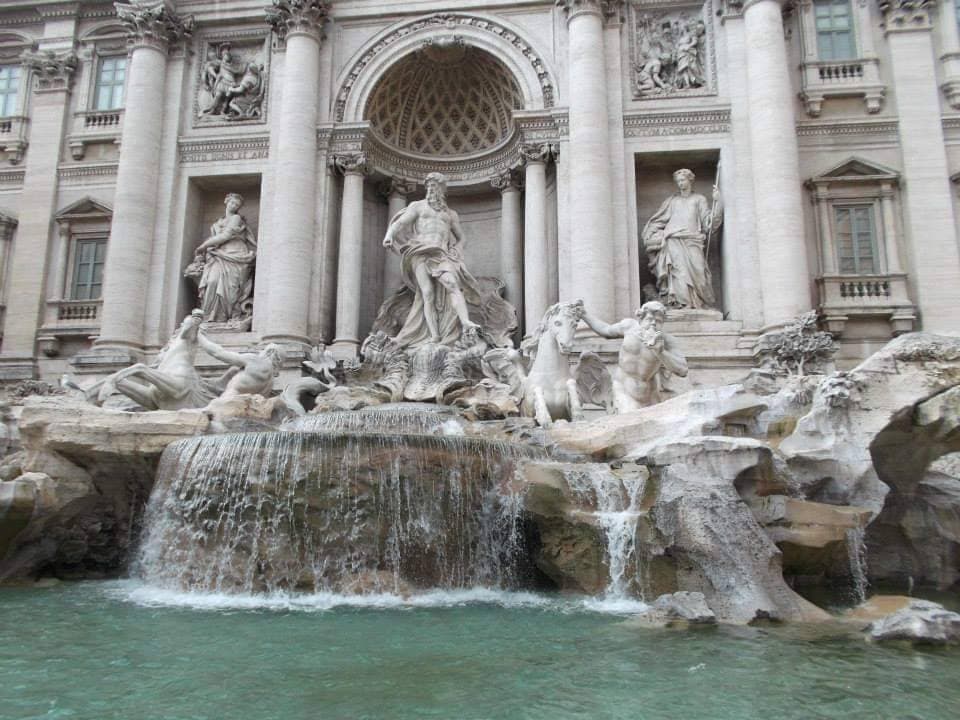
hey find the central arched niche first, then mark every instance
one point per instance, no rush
(446, 100)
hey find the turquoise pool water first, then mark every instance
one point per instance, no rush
(99, 650)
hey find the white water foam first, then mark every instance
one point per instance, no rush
(135, 592)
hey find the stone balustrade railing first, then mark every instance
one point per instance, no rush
(78, 309)
(92, 126)
(13, 137)
(878, 295)
(842, 78)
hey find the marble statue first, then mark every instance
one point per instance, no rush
(235, 88)
(253, 372)
(223, 268)
(171, 382)
(646, 356)
(427, 236)
(675, 239)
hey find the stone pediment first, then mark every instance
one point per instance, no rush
(85, 209)
(856, 169)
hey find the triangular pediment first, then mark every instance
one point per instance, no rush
(86, 208)
(856, 168)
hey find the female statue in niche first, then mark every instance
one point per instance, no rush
(223, 268)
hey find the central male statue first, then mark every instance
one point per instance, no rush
(427, 236)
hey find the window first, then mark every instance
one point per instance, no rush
(111, 75)
(856, 239)
(9, 88)
(89, 256)
(834, 30)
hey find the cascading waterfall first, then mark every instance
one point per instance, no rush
(857, 556)
(384, 510)
(617, 501)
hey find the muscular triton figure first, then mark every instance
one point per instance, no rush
(427, 236)
(646, 353)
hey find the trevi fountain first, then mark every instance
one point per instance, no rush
(478, 510)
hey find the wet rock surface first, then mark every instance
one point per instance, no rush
(679, 608)
(919, 621)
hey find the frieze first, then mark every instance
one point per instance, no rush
(671, 50)
(448, 21)
(231, 81)
(697, 122)
(246, 148)
(833, 129)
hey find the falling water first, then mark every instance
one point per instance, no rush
(418, 418)
(857, 556)
(334, 511)
(617, 502)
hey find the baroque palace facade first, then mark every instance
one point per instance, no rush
(245, 157)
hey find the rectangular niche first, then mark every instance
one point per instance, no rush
(672, 49)
(655, 183)
(205, 206)
(231, 75)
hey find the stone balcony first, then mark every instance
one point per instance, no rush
(843, 297)
(13, 137)
(68, 319)
(823, 79)
(94, 126)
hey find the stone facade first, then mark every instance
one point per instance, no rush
(558, 124)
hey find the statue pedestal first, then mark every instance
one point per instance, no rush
(686, 315)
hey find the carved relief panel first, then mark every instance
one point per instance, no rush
(672, 49)
(231, 81)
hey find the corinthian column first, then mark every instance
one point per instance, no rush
(778, 211)
(298, 23)
(151, 27)
(511, 239)
(350, 258)
(591, 205)
(536, 259)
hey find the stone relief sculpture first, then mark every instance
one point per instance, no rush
(671, 53)
(223, 269)
(676, 241)
(232, 87)
(647, 356)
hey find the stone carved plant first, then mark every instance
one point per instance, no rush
(798, 349)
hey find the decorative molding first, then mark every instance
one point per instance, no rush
(507, 181)
(81, 174)
(609, 10)
(538, 126)
(52, 70)
(537, 152)
(446, 21)
(297, 17)
(905, 15)
(833, 129)
(693, 122)
(256, 147)
(351, 163)
(152, 23)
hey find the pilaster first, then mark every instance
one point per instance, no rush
(536, 261)
(52, 77)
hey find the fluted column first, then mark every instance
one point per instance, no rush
(350, 258)
(536, 259)
(778, 210)
(298, 24)
(397, 192)
(151, 27)
(591, 207)
(511, 239)
(931, 228)
(52, 74)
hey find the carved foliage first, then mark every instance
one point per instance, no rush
(298, 16)
(151, 22)
(612, 9)
(233, 82)
(671, 52)
(906, 14)
(797, 349)
(53, 71)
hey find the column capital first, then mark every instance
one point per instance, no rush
(298, 17)
(741, 6)
(53, 71)
(350, 163)
(537, 152)
(153, 24)
(399, 186)
(507, 181)
(906, 15)
(611, 10)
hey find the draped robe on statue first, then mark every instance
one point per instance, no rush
(438, 252)
(227, 280)
(674, 240)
